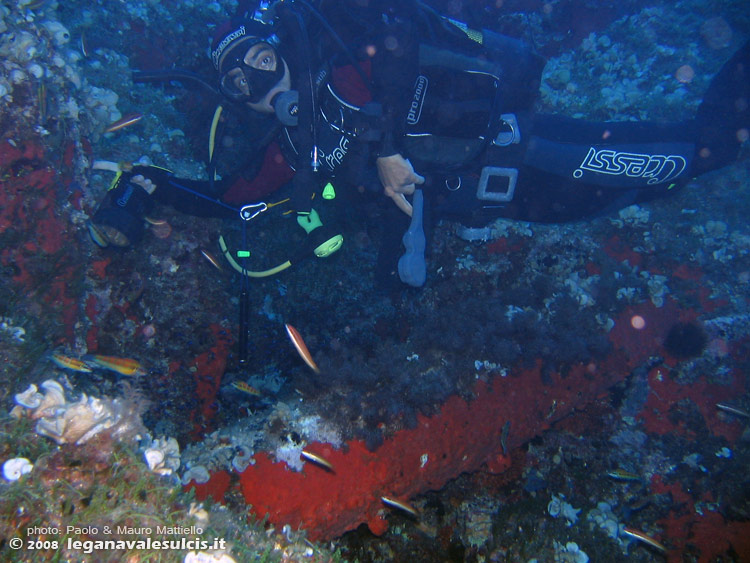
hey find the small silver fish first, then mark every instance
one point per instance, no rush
(319, 460)
(401, 505)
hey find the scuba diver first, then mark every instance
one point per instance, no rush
(399, 99)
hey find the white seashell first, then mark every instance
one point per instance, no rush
(53, 386)
(242, 459)
(14, 468)
(207, 557)
(59, 32)
(19, 333)
(154, 458)
(35, 70)
(554, 507)
(54, 398)
(30, 398)
(73, 76)
(73, 56)
(198, 512)
(17, 76)
(197, 473)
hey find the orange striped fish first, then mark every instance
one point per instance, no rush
(301, 347)
(123, 366)
(640, 536)
(129, 119)
(623, 475)
(401, 505)
(66, 362)
(245, 388)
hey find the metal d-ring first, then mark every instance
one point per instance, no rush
(453, 188)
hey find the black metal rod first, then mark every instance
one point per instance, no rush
(244, 318)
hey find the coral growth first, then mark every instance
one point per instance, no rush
(462, 437)
(76, 498)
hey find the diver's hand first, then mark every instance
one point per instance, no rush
(146, 183)
(119, 219)
(398, 178)
(145, 176)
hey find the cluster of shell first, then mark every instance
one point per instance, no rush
(40, 71)
(230, 449)
(74, 422)
(243, 457)
(18, 333)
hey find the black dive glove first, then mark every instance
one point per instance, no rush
(119, 219)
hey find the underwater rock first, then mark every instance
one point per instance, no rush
(686, 340)
(476, 521)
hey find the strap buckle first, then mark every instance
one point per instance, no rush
(497, 184)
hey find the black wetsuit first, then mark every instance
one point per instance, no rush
(462, 112)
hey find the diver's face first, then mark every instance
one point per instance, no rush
(256, 77)
(260, 56)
